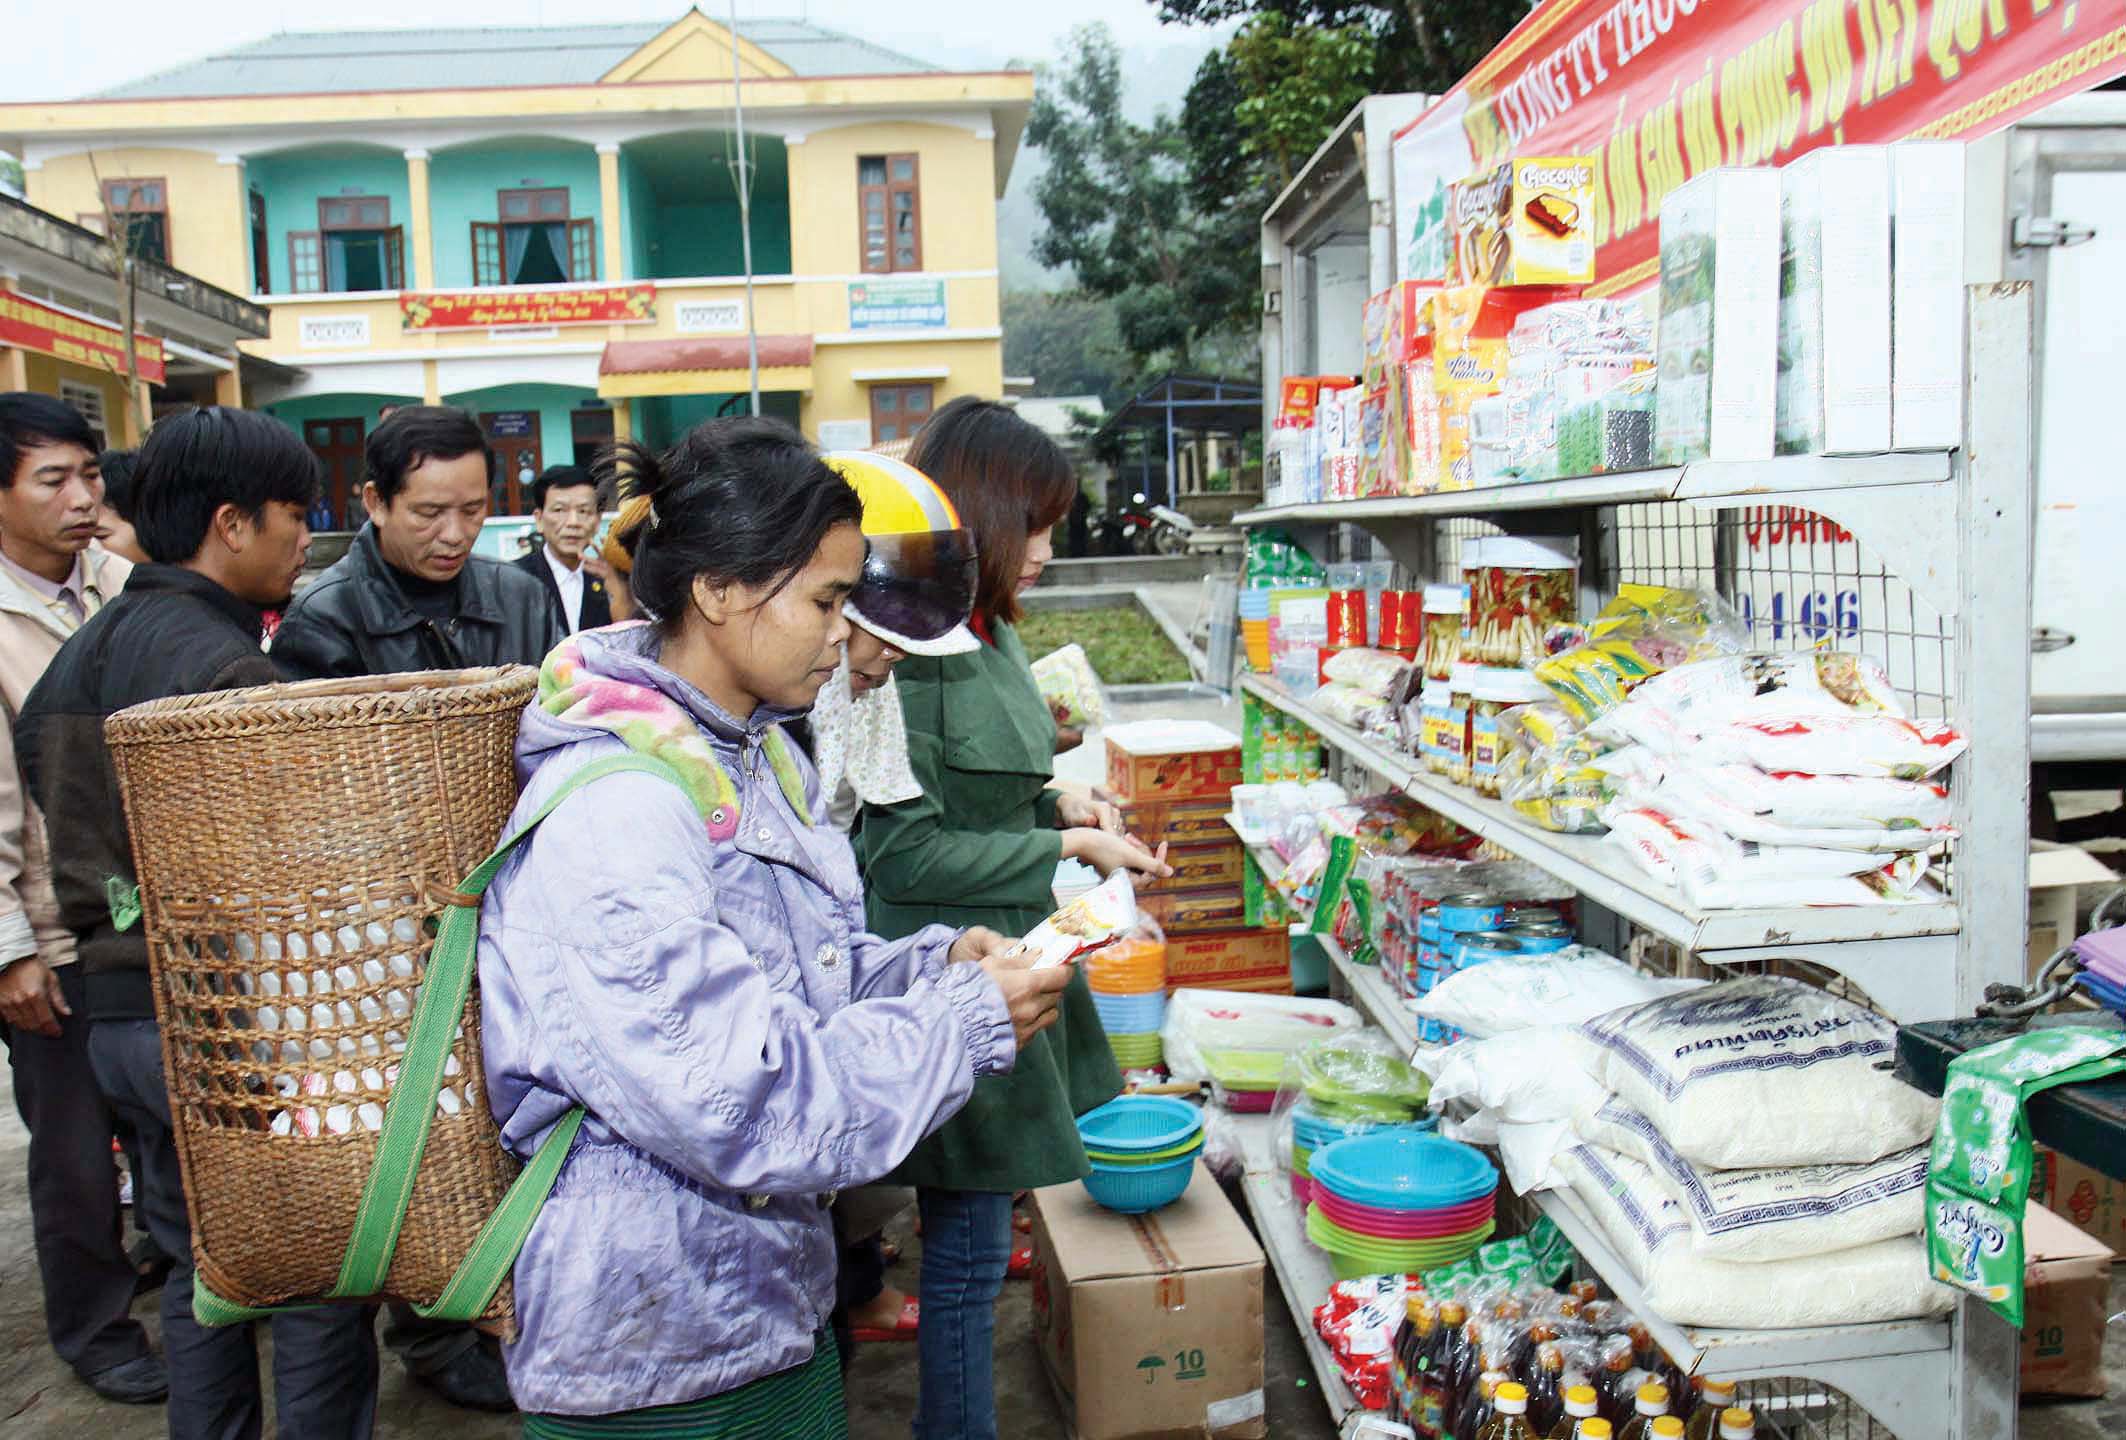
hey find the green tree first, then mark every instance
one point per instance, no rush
(1070, 342)
(1293, 83)
(1424, 45)
(1117, 201)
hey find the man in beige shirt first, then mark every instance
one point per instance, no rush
(51, 579)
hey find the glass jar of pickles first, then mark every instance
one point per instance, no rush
(1454, 736)
(1519, 591)
(1495, 691)
(1446, 609)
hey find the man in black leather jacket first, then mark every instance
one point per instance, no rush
(409, 594)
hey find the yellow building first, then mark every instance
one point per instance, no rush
(542, 224)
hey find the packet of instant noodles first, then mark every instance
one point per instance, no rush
(1100, 915)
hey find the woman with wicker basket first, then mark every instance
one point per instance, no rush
(685, 958)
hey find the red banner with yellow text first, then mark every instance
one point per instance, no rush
(27, 325)
(1659, 90)
(486, 309)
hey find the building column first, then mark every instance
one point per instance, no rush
(609, 212)
(229, 389)
(140, 414)
(623, 420)
(431, 384)
(424, 254)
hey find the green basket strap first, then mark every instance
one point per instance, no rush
(409, 1113)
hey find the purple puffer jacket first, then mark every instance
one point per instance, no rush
(744, 1049)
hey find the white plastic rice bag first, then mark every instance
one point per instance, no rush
(1674, 708)
(1881, 745)
(1776, 1213)
(1561, 988)
(1831, 812)
(1717, 872)
(1885, 1280)
(1897, 883)
(1762, 1071)
(1517, 1078)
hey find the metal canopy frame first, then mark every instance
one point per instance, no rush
(1203, 404)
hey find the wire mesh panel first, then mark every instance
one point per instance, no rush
(1792, 1409)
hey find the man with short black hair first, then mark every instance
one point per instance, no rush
(565, 507)
(220, 511)
(51, 580)
(410, 594)
(114, 519)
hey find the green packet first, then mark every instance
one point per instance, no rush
(1343, 855)
(1982, 1161)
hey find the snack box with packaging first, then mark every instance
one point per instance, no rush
(1470, 353)
(1189, 912)
(1719, 327)
(1178, 822)
(1834, 306)
(1236, 959)
(1201, 867)
(1172, 760)
(1093, 919)
(1529, 221)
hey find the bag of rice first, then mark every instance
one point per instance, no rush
(1762, 1071)
(1770, 1214)
(1670, 711)
(1879, 745)
(1561, 988)
(1884, 1280)
(1830, 812)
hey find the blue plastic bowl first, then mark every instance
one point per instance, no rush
(1131, 1016)
(1139, 1122)
(1399, 1170)
(1134, 1189)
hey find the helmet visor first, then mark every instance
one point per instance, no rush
(919, 585)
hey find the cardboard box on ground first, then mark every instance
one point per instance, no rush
(1150, 1326)
(2066, 1287)
(2058, 874)
(2088, 1199)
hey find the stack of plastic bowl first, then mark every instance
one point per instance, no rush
(1128, 980)
(1315, 1127)
(1395, 1202)
(1143, 1151)
(1255, 628)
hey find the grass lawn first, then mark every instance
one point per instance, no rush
(1125, 647)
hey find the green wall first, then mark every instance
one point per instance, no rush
(292, 183)
(661, 419)
(557, 443)
(638, 206)
(463, 186)
(293, 413)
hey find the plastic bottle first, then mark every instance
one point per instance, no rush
(1594, 1427)
(1420, 1388)
(1737, 1423)
(1510, 1418)
(1652, 1405)
(1665, 1427)
(1579, 1405)
(1546, 1381)
(1714, 1396)
(1458, 1352)
(1482, 1404)
(1613, 1379)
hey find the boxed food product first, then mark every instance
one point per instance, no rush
(1172, 760)
(1150, 1326)
(2092, 1200)
(1528, 221)
(1200, 867)
(1240, 959)
(1927, 298)
(1834, 305)
(1470, 353)
(1394, 321)
(2066, 1282)
(1178, 822)
(1188, 912)
(1719, 332)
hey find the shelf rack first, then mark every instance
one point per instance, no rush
(1952, 532)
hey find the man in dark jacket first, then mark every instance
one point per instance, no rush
(220, 512)
(409, 594)
(565, 504)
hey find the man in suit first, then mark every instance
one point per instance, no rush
(565, 505)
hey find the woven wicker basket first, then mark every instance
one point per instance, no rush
(294, 844)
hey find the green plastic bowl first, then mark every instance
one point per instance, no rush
(1150, 1157)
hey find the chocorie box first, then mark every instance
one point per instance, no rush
(1172, 760)
(1185, 912)
(2066, 1281)
(1150, 1326)
(1203, 867)
(1527, 222)
(1179, 822)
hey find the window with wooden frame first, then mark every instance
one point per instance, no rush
(142, 206)
(886, 193)
(261, 270)
(355, 247)
(898, 411)
(533, 241)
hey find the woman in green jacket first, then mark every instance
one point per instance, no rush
(980, 847)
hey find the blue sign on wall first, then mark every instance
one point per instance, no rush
(897, 305)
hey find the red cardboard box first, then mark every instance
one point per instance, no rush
(1187, 912)
(1202, 867)
(1179, 822)
(1155, 760)
(1231, 960)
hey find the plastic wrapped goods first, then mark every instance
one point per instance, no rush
(1833, 812)
(1763, 1071)
(1873, 745)
(1069, 685)
(1564, 987)
(1647, 629)
(1774, 1213)
(1672, 711)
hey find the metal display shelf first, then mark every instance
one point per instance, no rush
(1891, 1368)
(1374, 997)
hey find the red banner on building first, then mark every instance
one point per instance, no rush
(27, 325)
(486, 309)
(1659, 90)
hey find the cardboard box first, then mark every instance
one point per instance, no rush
(1834, 308)
(2057, 875)
(1927, 295)
(1230, 959)
(1179, 822)
(1150, 1326)
(1202, 867)
(2066, 1284)
(1165, 760)
(1718, 338)
(1188, 912)
(2089, 1199)
(1529, 221)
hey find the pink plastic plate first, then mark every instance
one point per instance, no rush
(1402, 1224)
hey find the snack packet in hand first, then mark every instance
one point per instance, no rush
(1095, 918)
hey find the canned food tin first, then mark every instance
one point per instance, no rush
(1465, 910)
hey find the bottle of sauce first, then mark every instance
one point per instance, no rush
(1651, 1405)
(1737, 1423)
(1455, 1361)
(1714, 1396)
(1665, 1427)
(1483, 1400)
(1546, 1381)
(1613, 1380)
(1593, 1427)
(1579, 1406)
(1420, 1387)
(1509, 1420)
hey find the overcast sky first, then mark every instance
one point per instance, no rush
(58, 51)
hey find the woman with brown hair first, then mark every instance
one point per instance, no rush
(980, 847)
